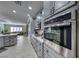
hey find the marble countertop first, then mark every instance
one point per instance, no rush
(8, 34)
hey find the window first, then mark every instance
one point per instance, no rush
(20, 28)
(16, 29)
(12, 29)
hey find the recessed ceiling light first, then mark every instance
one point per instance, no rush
(30, 8)
(14, 11)
(27, 14)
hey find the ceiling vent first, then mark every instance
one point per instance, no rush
(18, 3)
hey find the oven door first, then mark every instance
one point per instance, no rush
(64, 41)
(61, 35)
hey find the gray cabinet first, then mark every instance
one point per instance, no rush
(53, 7)
(43, 50)
(50, 53)
(37, 45)
(1, 42)
(13, 40)
(62, 5)
(39, 49)
(6, 41)
(48, 8)
(10, 40)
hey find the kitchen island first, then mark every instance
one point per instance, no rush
(8, 39)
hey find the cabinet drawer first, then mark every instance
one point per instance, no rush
(6, 40)
(1, 42)
(13, 42)
(39, 53)
(51, 52)
(40, 47)
(48, 53)
(6, 44)
(7, 37)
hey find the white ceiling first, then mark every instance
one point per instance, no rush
(6, 8)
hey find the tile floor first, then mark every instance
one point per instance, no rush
(23, 49)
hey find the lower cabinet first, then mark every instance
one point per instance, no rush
(6, 41)
(10, 40)
(1, 42)
(39, 50)
(13, 40)
(37, 45)
(50, 53)
(43, 50)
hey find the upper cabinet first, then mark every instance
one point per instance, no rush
(53, 7)
(62, 5)
(47, 8)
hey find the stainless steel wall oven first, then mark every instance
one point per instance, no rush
(60, 35)
(61, 30)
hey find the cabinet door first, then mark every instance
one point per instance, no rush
(48, 52)
(46, 8)
(40, 49)
(62, 5)
(13, 40)
(51, 7)
(6, 41)
(1, 42)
